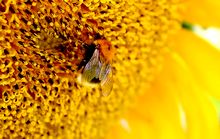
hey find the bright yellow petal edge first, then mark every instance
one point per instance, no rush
(180, 102)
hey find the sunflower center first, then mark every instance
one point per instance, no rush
(43, 47)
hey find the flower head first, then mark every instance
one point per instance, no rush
(42, 46)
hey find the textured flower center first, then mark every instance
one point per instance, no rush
(43, 43)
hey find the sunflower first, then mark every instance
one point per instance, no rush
(71, 69)
(183, 101)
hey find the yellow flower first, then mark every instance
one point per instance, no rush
(45, 48)
(183, 101)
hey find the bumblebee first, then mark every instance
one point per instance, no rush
(97, 69)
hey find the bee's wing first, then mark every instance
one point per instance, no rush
(107, 83)
(92, 68)
(105, 71)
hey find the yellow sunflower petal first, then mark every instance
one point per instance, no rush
(198, 115)
(176, 106)
(202, 59)
(203, 12)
